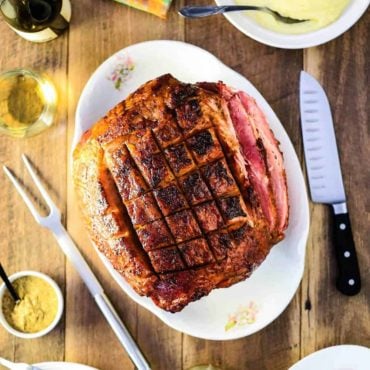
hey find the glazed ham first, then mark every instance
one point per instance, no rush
(182, 187)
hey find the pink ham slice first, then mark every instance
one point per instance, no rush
(262, 157)
(253, 158)
(274, 158)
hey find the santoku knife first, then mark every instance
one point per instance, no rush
(325, 177)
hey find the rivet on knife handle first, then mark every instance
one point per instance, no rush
(348, 280)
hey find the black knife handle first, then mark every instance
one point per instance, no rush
(349, 280)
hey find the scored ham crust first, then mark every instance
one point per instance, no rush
(183, 188)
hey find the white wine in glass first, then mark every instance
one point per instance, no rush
(27, 103)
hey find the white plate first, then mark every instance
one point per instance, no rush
(261, 298)
(345, 357)
(63, 366)
(248, 26)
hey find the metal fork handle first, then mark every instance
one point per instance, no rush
(71, 251)
(121, 332)
(205, 11)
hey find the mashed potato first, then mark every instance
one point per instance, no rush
(319, 12)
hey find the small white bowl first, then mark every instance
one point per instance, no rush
(58, 316)
(245, 24)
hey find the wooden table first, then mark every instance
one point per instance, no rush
(317, 317)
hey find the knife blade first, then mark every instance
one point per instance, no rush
(325, 177)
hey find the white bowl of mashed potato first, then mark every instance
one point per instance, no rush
(40, 307)
(328, 19)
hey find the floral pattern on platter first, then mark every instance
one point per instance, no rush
(245, 315)
(122, 71)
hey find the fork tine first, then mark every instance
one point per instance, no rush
(38, 183)
(22, 193)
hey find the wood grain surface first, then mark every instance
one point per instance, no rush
(317, 317)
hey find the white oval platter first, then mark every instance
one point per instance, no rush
(248, 306)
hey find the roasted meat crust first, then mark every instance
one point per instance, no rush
(182, 187)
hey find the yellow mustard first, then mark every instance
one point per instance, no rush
(37, 308)
(319, 12)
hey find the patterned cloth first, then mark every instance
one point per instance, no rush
(156, 7)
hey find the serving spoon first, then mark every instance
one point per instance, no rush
(9, 285)
(205, 11)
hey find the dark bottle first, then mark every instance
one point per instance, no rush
(37, 20)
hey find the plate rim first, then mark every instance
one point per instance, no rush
(298, 41)
(56, 363)
(326, 349)
(306, 216)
